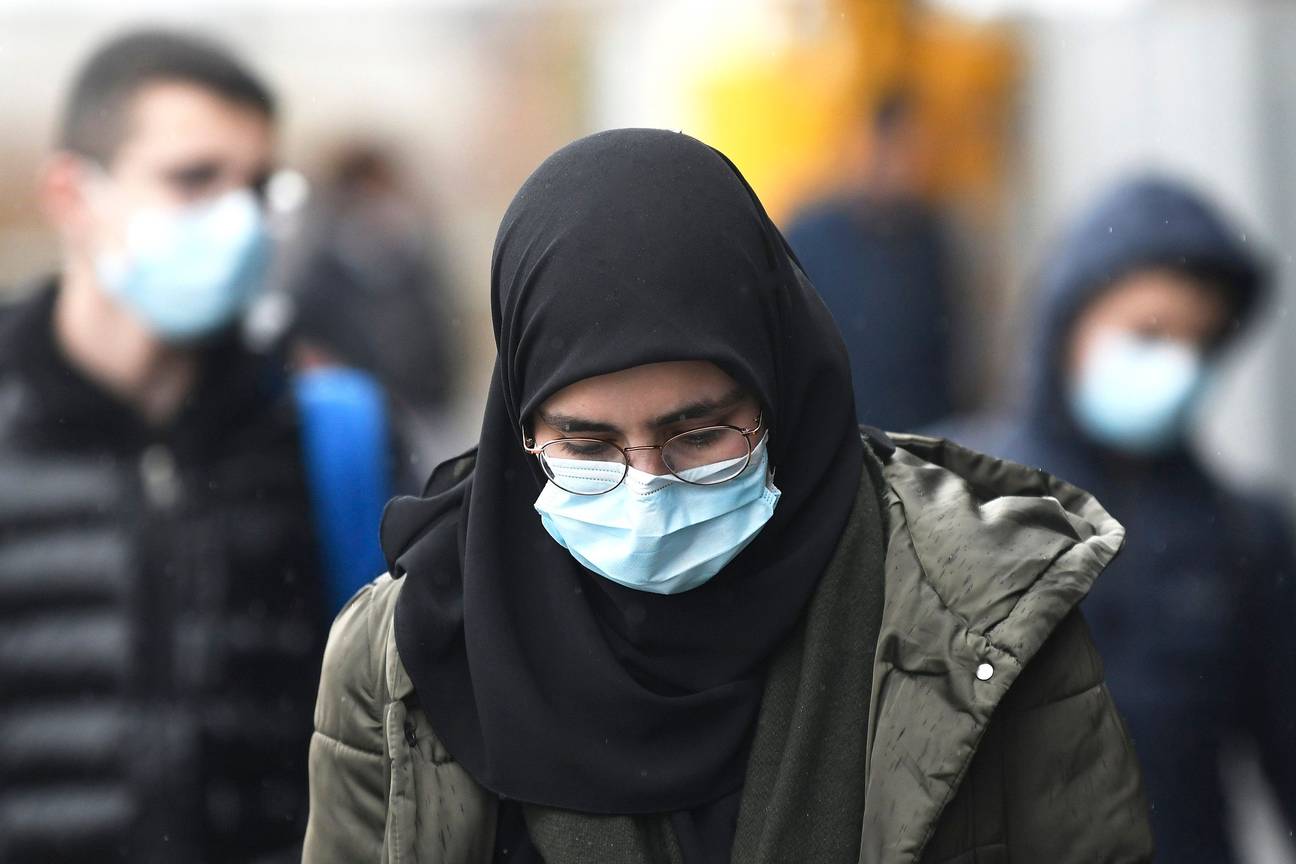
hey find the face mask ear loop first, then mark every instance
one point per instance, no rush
(764, 442)
(98, 180)
(97, 185)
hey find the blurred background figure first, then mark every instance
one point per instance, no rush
(878, 254)
(370, 293)
(1194, 619)
(162, 612)
(372, 338)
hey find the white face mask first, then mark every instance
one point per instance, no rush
(1135, 394)
(188, 271)
(658, 533)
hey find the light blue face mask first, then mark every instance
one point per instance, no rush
(187, 272)
(1135, 395)
(658, 533)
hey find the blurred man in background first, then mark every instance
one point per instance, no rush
(368, 255)
(879, 257)
(160, 605)
(1195, 617)
(369, 293)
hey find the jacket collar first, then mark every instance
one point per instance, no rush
(972, 516)
(68, 409)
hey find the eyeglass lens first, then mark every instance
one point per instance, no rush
(588, 466)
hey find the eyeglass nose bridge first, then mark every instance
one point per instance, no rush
(641, 447)
(626, 451)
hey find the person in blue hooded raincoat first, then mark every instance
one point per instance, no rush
(1194, 619)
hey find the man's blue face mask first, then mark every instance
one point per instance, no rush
(188, 271)
(659, 533)
(1136, 395)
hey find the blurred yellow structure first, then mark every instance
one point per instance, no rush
(792, 111)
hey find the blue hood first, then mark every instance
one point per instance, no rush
(1143, 222)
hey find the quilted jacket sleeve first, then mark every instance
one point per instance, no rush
(1072, 786)
(1054, 778)
(349, 773)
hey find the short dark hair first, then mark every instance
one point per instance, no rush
(94, 116)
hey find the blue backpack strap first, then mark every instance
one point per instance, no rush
(346, 447)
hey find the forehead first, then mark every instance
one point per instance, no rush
(170, 122)
(646, 391)
(1160, 294)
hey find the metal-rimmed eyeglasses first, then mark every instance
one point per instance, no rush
(706, 456)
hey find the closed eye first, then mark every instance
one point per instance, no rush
(701, 439)
(580, 448)
(193, 180)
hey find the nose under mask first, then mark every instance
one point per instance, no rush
(1136, 395)
(187, 272)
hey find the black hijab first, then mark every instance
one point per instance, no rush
(548, 683)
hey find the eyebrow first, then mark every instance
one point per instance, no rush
(700, 408)
(568, 423)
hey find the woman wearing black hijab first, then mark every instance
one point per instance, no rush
(674, 607)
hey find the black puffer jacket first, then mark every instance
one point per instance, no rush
(160, 614)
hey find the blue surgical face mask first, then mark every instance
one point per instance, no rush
(659, 533)
(188, 271)
(1135, 394)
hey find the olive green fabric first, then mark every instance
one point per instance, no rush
(374, 795)
(990, 736)
(565, 837)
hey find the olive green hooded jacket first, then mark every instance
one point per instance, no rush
(991, 736)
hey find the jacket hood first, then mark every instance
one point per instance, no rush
(969, 515)
(1143, 222)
